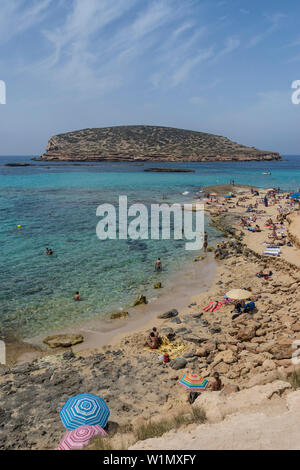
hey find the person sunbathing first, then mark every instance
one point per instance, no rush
(152, 341)
(156, 334)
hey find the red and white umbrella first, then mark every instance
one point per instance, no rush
(80, 437)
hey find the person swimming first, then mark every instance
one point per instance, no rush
(158, 265)
(77, 297)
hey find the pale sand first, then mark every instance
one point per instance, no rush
(195, 278)
(255, 240)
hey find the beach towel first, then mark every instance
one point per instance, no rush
(208, 308)
(173, 348)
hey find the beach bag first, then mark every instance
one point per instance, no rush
(166, 358)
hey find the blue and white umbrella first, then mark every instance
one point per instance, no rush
(295, 196)
(85, 409)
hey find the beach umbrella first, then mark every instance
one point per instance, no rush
(238, 294)
(193, 382)
(85, 409)
(80, 437)
(295, 196)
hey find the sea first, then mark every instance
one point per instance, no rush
(55, 204)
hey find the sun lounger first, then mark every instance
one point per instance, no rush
(272, 252)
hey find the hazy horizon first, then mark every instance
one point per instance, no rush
(217, 66)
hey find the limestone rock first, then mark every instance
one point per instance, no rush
(225, 356)
(282, 349)
(169, 314)
(179, 363)
(141, 299)
(246, 333)
(63, 341)
(118, 315)
(217, 405)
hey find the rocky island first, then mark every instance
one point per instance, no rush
(148, 143)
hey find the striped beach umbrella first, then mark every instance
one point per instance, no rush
(193, 382)
(80, 437)
(85, 409)
(295, 196)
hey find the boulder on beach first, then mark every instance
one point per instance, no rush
(179, 363)
(63, 341)
(140, 300)
(169, 314)
(157, 285)
(118, 315)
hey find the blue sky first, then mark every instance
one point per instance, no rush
(224, 67)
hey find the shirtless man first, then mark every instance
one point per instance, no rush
(77, 297)
(158, 265)
(152, 341)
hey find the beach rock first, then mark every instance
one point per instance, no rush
(193, 338)
(169, 314)
(179, 363)
(269, 365)
(262, 378)
(68, 355)
(189, 354)
(226, 356)
(230, 388)
(169, 333)
(197, 315)
(118, 315)
(157, 285)
(282, 349)
(218, 405)
(176, 320)
(246, 333)
(296, 327)
(140, 300)
(63, 341)
(201, 352)
(215, 329)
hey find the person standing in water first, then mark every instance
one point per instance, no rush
(158, 265)
(77, 297)
(205, 242)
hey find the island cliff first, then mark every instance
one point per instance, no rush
(148, 143)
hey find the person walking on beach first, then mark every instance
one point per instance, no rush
(266, 202)
(158, 265)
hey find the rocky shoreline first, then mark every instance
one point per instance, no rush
(252, 350)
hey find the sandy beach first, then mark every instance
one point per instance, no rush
(251, 350)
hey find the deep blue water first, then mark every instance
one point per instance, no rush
(56, 205)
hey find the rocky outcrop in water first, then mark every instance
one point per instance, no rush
(148, 143)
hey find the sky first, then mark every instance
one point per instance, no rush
(224, 67)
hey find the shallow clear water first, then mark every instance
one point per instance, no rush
(56, 206)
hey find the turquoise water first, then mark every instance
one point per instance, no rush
(56, 206)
